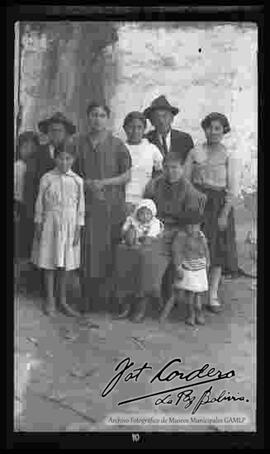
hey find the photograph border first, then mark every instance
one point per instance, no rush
(154, 440)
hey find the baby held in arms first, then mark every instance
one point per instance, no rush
(142, 226)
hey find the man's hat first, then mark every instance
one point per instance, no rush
(58, 117)
(160, 103)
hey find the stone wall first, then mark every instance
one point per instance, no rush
(199, 67)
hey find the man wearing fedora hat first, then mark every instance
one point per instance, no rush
(161, 114)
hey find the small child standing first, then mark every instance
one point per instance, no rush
(142, 225)
(59, 216)
(191, 261)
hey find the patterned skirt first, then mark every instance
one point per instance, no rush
(221, 243)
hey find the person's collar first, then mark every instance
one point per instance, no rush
(166, 135)
(101, 138)
(69, 173)
(179, 182)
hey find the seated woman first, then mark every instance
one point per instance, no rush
(139, 230)
(143, 268)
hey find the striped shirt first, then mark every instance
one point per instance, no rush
(194, 264)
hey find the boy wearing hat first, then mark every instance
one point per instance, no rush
(161, 114)
(58, 129)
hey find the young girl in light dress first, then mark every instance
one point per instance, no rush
(59, 216)
(191, 261)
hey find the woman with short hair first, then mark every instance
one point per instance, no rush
(212, 170)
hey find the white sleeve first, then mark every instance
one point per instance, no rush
(39, 207)
(127, 224)
(156, 228)
(81, 204)
(157, 158)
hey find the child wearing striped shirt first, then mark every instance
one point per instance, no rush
(191, 261)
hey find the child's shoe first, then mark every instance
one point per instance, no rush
(200, 320)
(67, 308)
(190, 320)
(49, 307)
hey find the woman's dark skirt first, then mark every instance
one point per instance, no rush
(24, 230)
(221, 243)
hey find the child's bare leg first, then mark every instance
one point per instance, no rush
(215, 278)
(62, 286)
(168, 307)
(190, 320)
(49, 276)
(200, 320)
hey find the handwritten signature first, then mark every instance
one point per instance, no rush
(169, 373)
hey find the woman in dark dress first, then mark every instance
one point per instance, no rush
(104, 162)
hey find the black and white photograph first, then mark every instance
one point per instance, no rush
(134, 142)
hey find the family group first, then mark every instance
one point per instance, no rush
(148, 218)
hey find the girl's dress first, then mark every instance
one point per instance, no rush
(215, 176)
(60, 207)
(191, 254)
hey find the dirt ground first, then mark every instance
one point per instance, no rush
(62, 365)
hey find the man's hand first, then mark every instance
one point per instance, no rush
(77, 235)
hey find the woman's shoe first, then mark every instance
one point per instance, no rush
(199, 315)
(214, 305)
(124, 312)
(67, 309)
(140, 314)
(200, 320)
